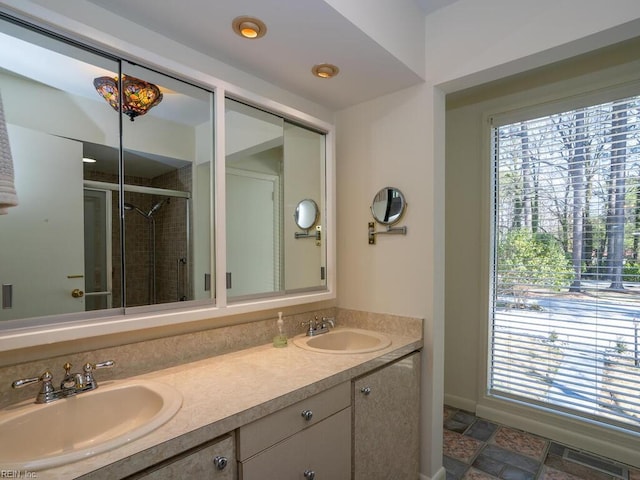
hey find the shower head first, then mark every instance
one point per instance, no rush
(157, 206)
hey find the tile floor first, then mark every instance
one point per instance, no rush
(476, 449)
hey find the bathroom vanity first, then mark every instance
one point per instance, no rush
(265, 412)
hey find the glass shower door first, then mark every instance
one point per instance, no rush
(97, 249)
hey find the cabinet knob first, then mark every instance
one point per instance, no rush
(307, 415)
(366, 390)
(220, 462)
(309, 474)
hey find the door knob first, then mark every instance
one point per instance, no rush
(77, 293)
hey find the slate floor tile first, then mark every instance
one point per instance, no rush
(476, 449)
(482, 430)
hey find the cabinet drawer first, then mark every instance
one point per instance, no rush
(273, 428)
(198, 462)
(324, 448)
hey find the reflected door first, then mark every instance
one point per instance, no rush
(41, 240)
(252, 259)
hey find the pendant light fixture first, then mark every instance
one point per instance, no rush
(138, 96)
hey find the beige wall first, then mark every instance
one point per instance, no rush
(395, 141)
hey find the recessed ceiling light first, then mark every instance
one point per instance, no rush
(88, 160)
(325, 70)
(249, 27)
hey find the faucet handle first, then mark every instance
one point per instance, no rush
(313, 324)
(46, 393)
(88, 368)
(23, 382)
(97, 366)
(329, 320)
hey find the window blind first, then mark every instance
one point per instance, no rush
(565, 300)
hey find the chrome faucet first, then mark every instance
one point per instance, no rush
(318, 327)
(71, 384)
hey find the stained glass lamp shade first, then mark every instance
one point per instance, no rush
(138, 96)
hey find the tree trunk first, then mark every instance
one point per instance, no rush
(636, 232)
(615, 255)
(577, 178)
(527, 197)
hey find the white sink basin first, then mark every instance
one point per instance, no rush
(34, 437)
(344, 340)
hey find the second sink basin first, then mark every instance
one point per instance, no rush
(34, 437)
(344, 340)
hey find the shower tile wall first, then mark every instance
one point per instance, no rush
(172, 238)
(138, 249)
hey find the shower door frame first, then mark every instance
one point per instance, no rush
(98, 185)
(108, 228)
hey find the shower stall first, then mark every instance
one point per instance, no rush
(156, 245)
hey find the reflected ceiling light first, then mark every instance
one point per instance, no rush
(89, 160)
(325, 70)
(249, 27)
(138, 96)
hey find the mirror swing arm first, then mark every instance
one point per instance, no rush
(389, 231)
(387, 208)
(305, 234)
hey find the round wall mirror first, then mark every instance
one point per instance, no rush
(388, 206)
(306, 214)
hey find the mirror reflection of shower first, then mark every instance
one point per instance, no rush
(156, 247)
(153, 295)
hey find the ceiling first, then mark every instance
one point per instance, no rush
(300, 33)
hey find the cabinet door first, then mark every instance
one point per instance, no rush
(322, 449)
(203, 462)
(387, 420)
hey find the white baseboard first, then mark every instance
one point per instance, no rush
(441, 474)
(460, 402)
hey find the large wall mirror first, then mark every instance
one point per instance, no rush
(271, 165)
(61, 248)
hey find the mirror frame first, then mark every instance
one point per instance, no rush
(296, 214)
(396, 217)
(41, 331)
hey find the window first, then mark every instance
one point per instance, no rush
(565, 301)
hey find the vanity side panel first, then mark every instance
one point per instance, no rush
(386, 421)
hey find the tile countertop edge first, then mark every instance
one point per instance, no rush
(214, 404)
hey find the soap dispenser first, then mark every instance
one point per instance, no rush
(280, 340)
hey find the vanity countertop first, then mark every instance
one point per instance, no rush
(224, 392)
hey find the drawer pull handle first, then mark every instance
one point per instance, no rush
(220, 462)
(366, 390)
(307, 415)
(309, 474)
